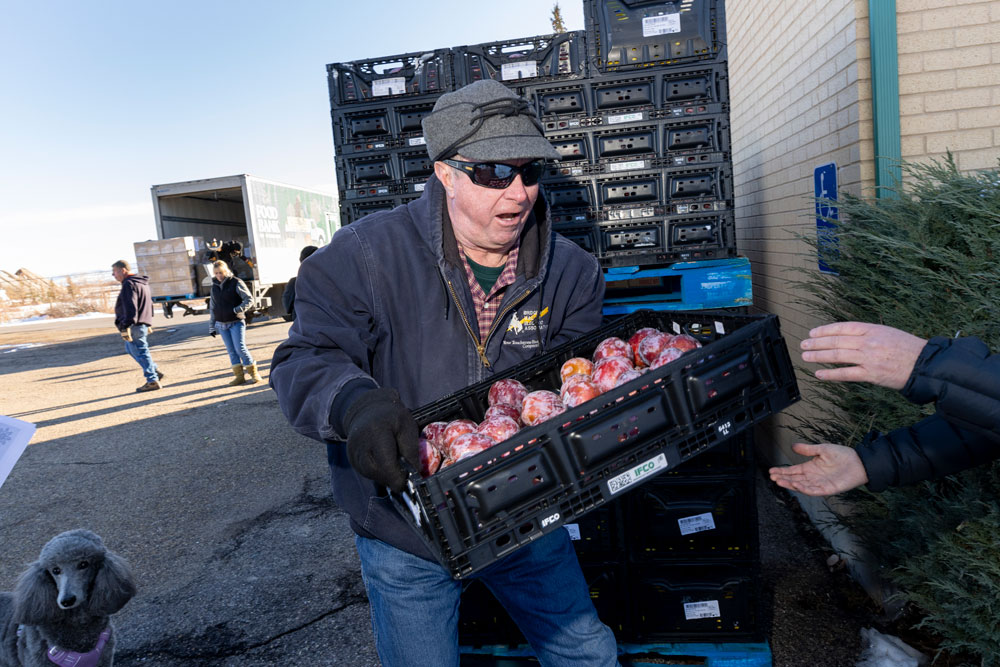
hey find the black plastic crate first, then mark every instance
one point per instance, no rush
(382, 126)
(635, 34)
(703, 602)
(624, 99)
(483, 621)
(694, 520)
(390, 77)
(354, 210)
(484, 507)
(597, 536)
(644, 241)
(733, 458)
(521, 61)
(383, 174)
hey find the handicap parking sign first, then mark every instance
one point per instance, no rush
(827, 215)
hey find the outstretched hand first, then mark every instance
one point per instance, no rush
(874, 353)
(833, 469)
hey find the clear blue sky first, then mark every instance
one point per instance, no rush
(104, 98)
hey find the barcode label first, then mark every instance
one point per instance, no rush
(638, 473)
(664, 24)
(627, 166)
(719, 329)
(676, 327)
(624, 118)
(14, 437)
(573, 529)
(419, 187)
(394, 86)
(525, 70)
(417, 141)
(696, 524)
(709, 609)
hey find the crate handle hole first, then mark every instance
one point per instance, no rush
(525, 528)
(512, 479)
(503, 540)
(537, 480)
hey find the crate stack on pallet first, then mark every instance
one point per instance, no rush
(637, 104)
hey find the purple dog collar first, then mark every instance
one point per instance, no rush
(63, 658)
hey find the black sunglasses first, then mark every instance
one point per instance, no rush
(497, 175)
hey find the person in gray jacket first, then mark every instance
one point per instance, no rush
(404, 307)
(960, 375)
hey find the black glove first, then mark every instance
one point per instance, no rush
(379, 430)
(212, 333)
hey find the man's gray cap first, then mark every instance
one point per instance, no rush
(485, 121)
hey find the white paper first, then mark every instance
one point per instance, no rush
(696, 524)
(573, 529)
(664, 24)
(14, 437)
(627, 166)
(393, 86)
(708, 609)
(624, 118)
(719, 329)
(526, 70)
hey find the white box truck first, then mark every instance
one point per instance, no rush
(272, 220)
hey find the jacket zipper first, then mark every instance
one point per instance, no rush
(481, 347)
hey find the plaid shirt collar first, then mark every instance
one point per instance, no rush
(488, 305)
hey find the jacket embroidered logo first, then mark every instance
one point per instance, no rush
(519, 324)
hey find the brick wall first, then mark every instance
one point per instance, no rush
(949, 80)
(800, 91)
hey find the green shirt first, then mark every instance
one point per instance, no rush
(486, 276)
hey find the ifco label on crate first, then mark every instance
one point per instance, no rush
(573, 529)
(638, 473)
(707, 609)
(525, 70)
(394, 86)
(664, 24)
(696, 524)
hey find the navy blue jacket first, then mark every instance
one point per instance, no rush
(134, 304)
(386, 303)
(963, 379)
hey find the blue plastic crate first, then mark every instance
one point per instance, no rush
(640, 655)
(702, 285)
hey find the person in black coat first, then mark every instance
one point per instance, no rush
(960, 375)
(134, 321)
(288, 296)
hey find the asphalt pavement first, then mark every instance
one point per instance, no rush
(224, 512)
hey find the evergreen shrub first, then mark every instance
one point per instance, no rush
(925, 261)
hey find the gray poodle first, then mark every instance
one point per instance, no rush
(60, 610)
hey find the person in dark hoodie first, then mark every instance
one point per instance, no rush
(134, 321)
(406, 306)
(961, 377)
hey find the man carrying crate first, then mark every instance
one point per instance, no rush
(407, 306)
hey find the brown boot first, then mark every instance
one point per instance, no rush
(152, 385)
(253, 376)
(238, 372)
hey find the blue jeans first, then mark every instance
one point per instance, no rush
(138, 349)
(235, 338)
(414, 605)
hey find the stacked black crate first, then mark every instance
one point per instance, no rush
(377, 106)
(646, 174)
(652, 184)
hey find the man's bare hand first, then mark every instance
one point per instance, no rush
(833, 469)
(873, 353)
(126, 336)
